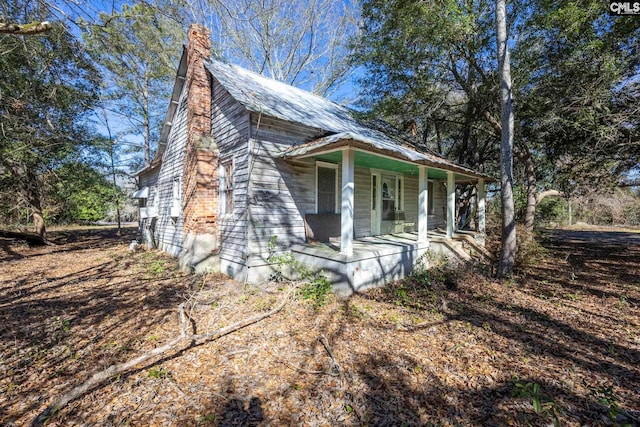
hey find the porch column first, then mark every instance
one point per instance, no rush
(451, 203)
(346, 214)
(423, 202)
(481, 207)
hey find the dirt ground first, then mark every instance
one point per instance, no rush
(558, 343)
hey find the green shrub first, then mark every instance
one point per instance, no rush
(435, 269)
(542, 404)
(159, 373)
(530, 252)
(315, 284)
(606, 397)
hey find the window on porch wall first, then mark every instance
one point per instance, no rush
(326, 188)
(430, 198)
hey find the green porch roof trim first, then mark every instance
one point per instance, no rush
(381, 147)
(372, 161)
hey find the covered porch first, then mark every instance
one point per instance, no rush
(380, 203)
(373, 179)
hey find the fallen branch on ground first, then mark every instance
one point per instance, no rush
(114, 370)
(30, 238)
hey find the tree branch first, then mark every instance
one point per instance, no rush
(113, 370)
(25, 29)
(548, 193)
(629, 182)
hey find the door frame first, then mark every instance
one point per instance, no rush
(375, 202)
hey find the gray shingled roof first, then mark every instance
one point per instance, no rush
(279, 100)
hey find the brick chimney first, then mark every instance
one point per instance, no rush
(200, 179)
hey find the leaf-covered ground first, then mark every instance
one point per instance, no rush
(559, 343)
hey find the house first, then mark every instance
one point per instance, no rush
(244, 160)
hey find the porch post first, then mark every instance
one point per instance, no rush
(481, 207)
(423, 202)
(346, 216)
(451, 203)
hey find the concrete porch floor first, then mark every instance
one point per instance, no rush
(376, 260)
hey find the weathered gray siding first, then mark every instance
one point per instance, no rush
(439, 217)
(281, 192)
(167, 230)
(149, 178)
(362, 202)
(411, 201)
(230, 130)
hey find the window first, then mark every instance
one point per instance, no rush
(392, 196)
(400, 201)
(226, 188)
(156, 197)
(374, 192)
(388, 200)
(430, 197)
(326, 188)
(176, 190)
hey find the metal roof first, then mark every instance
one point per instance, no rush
(260, 94)
(272, 98)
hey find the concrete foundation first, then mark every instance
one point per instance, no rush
(199, 254)
(375, 262)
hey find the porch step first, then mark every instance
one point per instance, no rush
(453, 247)
(465, 248)
(474, 249)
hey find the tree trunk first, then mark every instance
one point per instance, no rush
(547, 193)
(38, 219)
(508, 251)
(25, 29)
(532, 191)
(570, 213)
(147, 121)
(31, 191)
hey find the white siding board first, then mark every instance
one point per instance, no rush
(362, 202)
(411, 201)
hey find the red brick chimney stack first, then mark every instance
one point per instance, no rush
(198, 82)
(200, 181)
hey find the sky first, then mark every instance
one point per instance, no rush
(74, 12)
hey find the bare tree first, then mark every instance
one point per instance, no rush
(508, 251)
(304, 43)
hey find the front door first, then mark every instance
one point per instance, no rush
(387, 204)
(388, 199)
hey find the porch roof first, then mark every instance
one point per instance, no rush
(379, 145)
